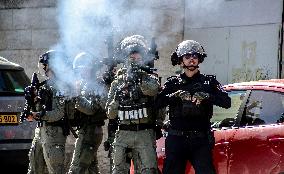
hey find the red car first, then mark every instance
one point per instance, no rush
(250, 135)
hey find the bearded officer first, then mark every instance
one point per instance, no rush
(131, 99)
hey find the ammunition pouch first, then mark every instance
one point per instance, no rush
(60, 123)
(135, 127)
(133, 112)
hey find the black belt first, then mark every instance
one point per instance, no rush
(135, 127)
(56, 123)
(98, 123)
(191, 133)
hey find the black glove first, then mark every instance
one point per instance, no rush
(107, 145)
(158, 131)
(201, 96)
(183, 95)
(108, 77)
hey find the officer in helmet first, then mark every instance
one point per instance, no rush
(90, 109)
(48, 146)
(190, 97)
(130, 100)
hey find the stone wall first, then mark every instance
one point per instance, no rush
(28, 28)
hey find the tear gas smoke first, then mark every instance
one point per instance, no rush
(85, 25)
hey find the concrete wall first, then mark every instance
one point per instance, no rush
(29, 27)
(240, 37)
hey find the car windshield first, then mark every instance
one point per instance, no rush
(13, 81)
(264, 107)
(220, 114)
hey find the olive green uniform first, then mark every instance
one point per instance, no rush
(90, 108)
(136, 123)
(48, 147)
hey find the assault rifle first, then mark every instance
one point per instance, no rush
(153, 53)
(109, 61)
(129, 92)
(30, 97)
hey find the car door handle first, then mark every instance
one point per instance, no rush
(221, 147)
(222, 144)
(275, 139)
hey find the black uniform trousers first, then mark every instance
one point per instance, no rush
(197, 148)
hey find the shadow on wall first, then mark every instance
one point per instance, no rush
(12, 3)
(16, 4)
(246, 74)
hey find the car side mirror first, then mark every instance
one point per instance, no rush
(281, 119)
(227, 122)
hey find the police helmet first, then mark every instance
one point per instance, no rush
(187, 47)
(54, 60)
(51, 54)
(133, 44)
(83, 60)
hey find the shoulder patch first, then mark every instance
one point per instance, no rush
(209, 79)
(173, 80)
(211, 76)
(220, 88)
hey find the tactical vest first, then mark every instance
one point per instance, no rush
(140, 112)
(100, 115)
(134, 106)
(186, 109)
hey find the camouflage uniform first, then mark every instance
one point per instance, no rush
(47, 152)
(135, 133)
(90, 108)
(48, 146)
(37, 162)
(112, 128)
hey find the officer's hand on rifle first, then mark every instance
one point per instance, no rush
(35, 115)
(108, 77)
(30, 118)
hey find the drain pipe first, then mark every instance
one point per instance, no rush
(183, 27)
(280, 52)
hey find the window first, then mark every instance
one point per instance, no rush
(13, 81)
(263, 107)
(226, 117)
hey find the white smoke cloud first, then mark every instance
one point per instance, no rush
(85, 25)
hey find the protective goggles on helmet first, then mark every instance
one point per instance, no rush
(192, 55)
